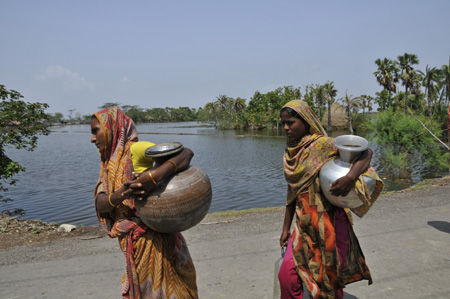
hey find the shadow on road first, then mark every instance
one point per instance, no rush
(346, 295)
(443, 226)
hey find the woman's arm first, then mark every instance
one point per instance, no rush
(146, 181)
(106, 204)
(343, 185)
(288, 216)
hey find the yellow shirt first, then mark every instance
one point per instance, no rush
(141, 163)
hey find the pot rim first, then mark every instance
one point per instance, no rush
(358, 143)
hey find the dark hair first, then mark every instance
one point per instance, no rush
(291, 112)
(294, 113)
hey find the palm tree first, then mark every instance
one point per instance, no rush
(431, 79)
(352, 104)
(223, 104)
(366, 102)
(319, 90)
(239, 105)
(446, 81)
(407, 73)
(387, 74)
(211, 109)
(383, 99)
(331, 93)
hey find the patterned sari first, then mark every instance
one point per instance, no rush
(314, 247)
(157, 265)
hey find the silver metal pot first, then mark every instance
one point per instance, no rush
(350, 148)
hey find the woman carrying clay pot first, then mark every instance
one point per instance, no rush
(157, 265)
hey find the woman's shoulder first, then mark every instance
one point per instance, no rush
(323, 143)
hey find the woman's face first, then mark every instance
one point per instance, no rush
(294, 128)
(97, 135)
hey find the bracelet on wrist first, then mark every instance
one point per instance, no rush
(174, 164)
(110, 202)
(151, 177)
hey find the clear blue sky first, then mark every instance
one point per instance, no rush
(81, 54)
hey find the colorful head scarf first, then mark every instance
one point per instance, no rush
(120, 133)
(303, 161)
(303, 109)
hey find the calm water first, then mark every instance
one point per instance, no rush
(58, 185)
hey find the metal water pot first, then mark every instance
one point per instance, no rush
(350, 148)
(276, 282)
(178, 202)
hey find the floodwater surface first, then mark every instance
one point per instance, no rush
(245, 169)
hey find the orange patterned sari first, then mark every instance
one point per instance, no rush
(314, 248)
(157, 265)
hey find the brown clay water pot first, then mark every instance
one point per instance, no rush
(178, 202)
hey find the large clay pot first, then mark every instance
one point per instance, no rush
(178, 202)
(350, 148)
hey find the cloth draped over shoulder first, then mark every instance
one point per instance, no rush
(157, 265)
(314, 243)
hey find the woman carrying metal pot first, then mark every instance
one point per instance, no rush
(157, 265)
(322, 252)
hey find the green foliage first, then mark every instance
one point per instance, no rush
(109, 104)
(56, 117)
(20, 122)
(404, 141)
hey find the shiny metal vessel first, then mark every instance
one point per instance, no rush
(350, 148)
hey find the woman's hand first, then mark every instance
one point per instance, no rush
(140, 185)
(342, 186)
(146, 181)
(284, 239)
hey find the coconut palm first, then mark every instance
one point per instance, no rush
(387, 74)
(406, 61)
(331, 93)
(446, 80)
(431, 80)
(352, 104)
(211, 109)
(366, 102)
(224, 105)
(319, 91)
(239, 106)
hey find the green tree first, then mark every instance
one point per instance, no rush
(56, 117)
(331, 93)
(310, 97)
(134, 112)
(446, 79)
(383, 99)
(387, 74)
(406, 61)
(20, 122)
(431, 80)
(404, 142)
(109, 104)
(366, 102)
(351, 106)
(319, 91)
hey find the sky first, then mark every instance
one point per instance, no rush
(78, 55)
